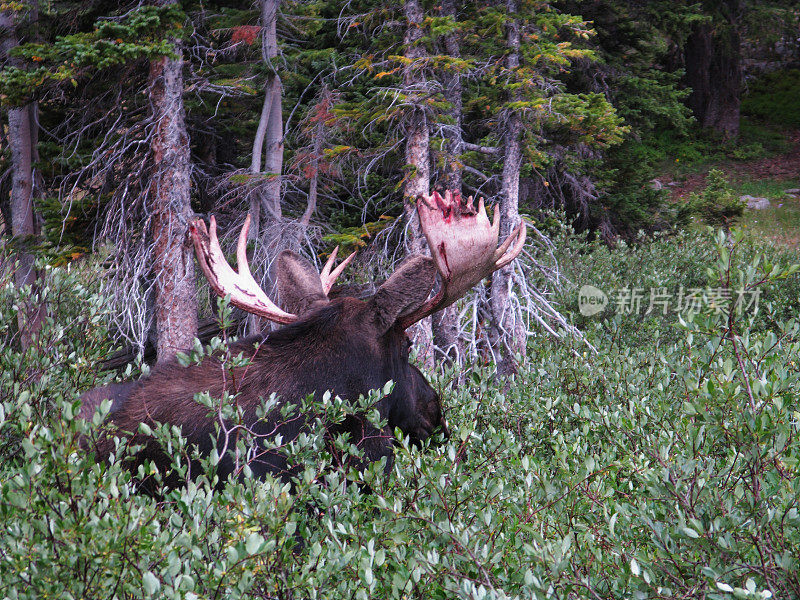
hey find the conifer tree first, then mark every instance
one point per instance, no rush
(417, 151)
(525, 121)
(173, 265)
(268, 138)
(23, 139)
(507, 324)
(712, 55)
(110, 95)
(445, 323)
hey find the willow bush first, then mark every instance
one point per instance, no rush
(663, 465)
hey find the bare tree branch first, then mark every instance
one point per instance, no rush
(482, 149)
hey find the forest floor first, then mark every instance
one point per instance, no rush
(765, 177)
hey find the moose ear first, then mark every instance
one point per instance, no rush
(404, 292)
(299, 284)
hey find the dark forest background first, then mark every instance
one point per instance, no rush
(323, 120)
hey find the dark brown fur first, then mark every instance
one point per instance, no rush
(347, 346)
(116, 392)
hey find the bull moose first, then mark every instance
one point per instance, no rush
(346, 345)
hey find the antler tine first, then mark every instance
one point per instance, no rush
(495, 218)
(326, 270)
(242, 265)
(329, 277)
(519, 234)
(245, 293)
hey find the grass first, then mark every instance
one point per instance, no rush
(765, 188)
(770, 136)
(770, 109)
(770, 113)
(779, 223)
(775, 97)
(680, 157)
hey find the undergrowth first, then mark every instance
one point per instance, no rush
(665, 464)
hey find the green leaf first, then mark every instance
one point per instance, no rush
(254, 543)
(635, 570)
(150, 583)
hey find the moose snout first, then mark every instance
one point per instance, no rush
(433, 429)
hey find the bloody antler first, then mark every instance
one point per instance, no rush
(244, 290)
(463, 245)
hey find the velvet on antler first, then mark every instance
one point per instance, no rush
(463, 245)
(244, 291)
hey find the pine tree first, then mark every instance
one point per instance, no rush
(23, 140)
(417, 180)
(712, 55)
(173, 264)
(444, 324)
(523, 121)
(507, 324)
(110, 157)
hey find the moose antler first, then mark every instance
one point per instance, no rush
(243, 289)
(328, 277)
(463, 245)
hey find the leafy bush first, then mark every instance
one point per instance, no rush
(774, 98)
(71, 339)
(716, 205)
(663, 465)
(747, 151)
(649, 264)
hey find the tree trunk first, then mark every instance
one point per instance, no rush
(714, 72)
(444, 323)
(318, 136)
(418, 175)
(22, 138)
(269, 135)
(265, 202)
(173, 260)
(508, 331)
(453, 91)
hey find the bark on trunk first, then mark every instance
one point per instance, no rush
(445, 323)
(273, 161)
(453, 91)
(265, 202)
(173, 264)
(508, 331)
(22, 138)
(269, 135)
(22, 135)
(417, 179)
(714, 72)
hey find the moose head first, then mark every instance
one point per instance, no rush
(346, 345)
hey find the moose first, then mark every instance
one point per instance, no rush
(344, 345)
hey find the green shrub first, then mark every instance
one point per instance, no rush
(774, 98)
(747, 151)
(663, 262)
(716, 205)
(666, 464)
